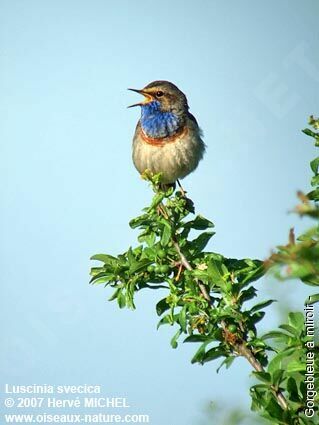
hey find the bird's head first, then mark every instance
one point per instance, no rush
(163, 95)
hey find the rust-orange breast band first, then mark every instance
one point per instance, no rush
(160, 142)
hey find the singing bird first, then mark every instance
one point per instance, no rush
(167, 138)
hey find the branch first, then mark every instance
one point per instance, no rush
(187, 266)
(244, 351)
(240, 347)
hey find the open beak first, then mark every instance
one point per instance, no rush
(148, 98)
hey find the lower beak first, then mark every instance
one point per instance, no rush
(148, 98)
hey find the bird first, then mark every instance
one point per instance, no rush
(167, 139)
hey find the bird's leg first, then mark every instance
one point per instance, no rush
(165, 186)
(181, 188)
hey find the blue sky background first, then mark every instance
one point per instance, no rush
(251, 74)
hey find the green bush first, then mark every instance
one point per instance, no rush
(207, 295)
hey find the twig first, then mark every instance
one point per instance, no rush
(187, 266)
(180, 268)
(240, 347)
(247, 353)
(244, 351)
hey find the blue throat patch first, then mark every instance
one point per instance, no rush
(156, 123)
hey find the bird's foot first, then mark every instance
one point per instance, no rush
(183, 192)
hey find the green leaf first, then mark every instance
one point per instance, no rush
(257, 393)
(98, 280)
(309, 132)
(274, 410)
(157, 199)
(140, 265)
(296, 320)
(256, 317)
(148, 237)
(140, 221)
(201, 241)
(115, 294)
(315, 181)
(96, 270)
(296, 366)
(293, 390)
(199, 355)
(197, 338)
(254, 274)
(313, 195)
(248, 294)
(258, 387)
(162, 306)
(213, 354)
(226, 362)
(261, 305)
(314, 164)
(275, 362)
(276, 334)
(129, 294)
(311, 281)
(199, 223)
(290, 329)
(200, 274)
(101, 278)
(166, 234)
(121, 300)
(166, 320)
(182, 318)
(263, 377)
(130, 257)
(174, 343)
(277, 377)
(312, 299)
(214, 273)
(105, 258)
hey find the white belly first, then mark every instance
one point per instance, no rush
(174, 160)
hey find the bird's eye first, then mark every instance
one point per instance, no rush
(159, 93)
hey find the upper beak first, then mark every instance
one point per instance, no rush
(148, 97)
